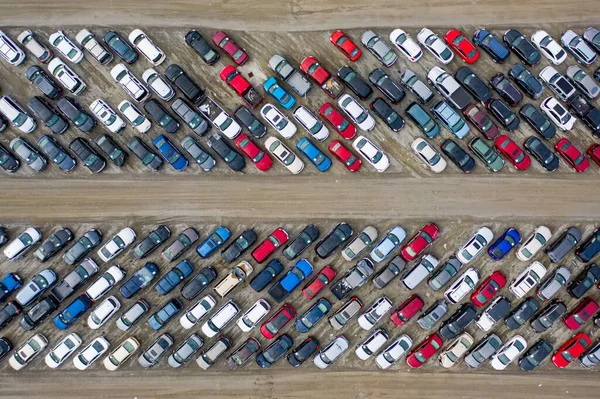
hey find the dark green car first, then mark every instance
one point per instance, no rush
(487, 154)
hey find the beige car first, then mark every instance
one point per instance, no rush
(456, 350)
(360, 242)
(237, 275)
(121, 354)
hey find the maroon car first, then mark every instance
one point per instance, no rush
(233, 51)
(480, 120)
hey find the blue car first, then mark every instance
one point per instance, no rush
(170, 153)
(494, 47)
(9, 284)
(313, 315)
(165, 314)
(71, 313)
(266, 275)
(388, 244)
(285, 99)
(504, 244)
(139, 280)
(213, 242)
(314, 155)
(292, 279)
(174, 277)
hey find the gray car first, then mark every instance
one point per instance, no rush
(445, 273)
(69, 284)
(420, 271)
(198, 153)
(591, 357)
(592, 37)
(132, 315)
(185, 351)
(416, 86)
(51, 245)
(82, 246)
(56, 153)
(575, 45)
(484, 350)
(28, 154)
(290, 75)
(378, 48)
(345, 313)
(35, 287)
(432, 315)
(549, 287)
(563, 244)
(387, 274)
(583, 81)
(152, 355)
(181, 244)
(192, 118)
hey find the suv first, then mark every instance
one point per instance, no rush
(494, 312)
(449, 88)
(356, 277)
(188, 87)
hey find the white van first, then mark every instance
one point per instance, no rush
(220, 319)
(17, 115)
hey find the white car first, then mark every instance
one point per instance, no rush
(374, 313)
(197, 312)
(104, 283)
(138, 120)
(10, 51)
(117, 244)
(456, 350)
(18, 247)
(406, 45)
(365, 238)
(428, 155)
(16, 115)
(435, 46)
(220, 319)
(107, 116)
(311, 123)
(493, 313)
(254, 315)
(356, 112)
(371, 153)
(26, 353)
(508, 353)
(103, 312)
(158, 84)
(66, 77)
(66, 47)
(65, 348)
(536, 241)
(527, 279)
(121, 354)
(330, 353)
(462, 286)
(390, 355)
(145, 46)
(39, 50)
(549, 47)
(284, 155)
(557, 83)
(91, 353)
(278, 121)
(372, 344)
(86, 39)
(475, 245)
(558, 114)
(130, 83)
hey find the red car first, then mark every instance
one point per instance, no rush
(407, 310)
(324, 277)
(262, 160)
(511, 151)
(424, 351)
(235, 80)
(571, 350)
(337, 121)
(461, 46)
(312, 68)
(233, 51)
(420, 241)
(280, 319)
(571, 154)
(594, 153)
(344, 156)
(276, 239)
(345, 45)
(584, 311)
(488, 288)
(480, 120)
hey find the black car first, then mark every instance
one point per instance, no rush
(75, 279)
(526, 81)
(563, 244)
(232, 158)
(240, 245)
(458, 321)
(120, 46)
(152, 241)
(198, 283)
(541, 153)
(473, 84)
(332, 241)
(274, 351)
(584, 281)
(34, 316)
(48, 115)
(522, 47)
(386, 85)
(57, 154)
(192, 118)
(249, 121)
(538, 121)
(303, 351)
(589, 114)
(506, 89)
(458, 156)
(8, 161)
(43, 82)
(76, 114)
(188, 87)
(9, 312)
(5, 347)
(53, 244)
(383, 110)
(535, 355)
(161, 116)
(548, 316)
(266, 275)
(195, 40)
(82, 246)
(87, 155)
(522, 313)
(590, 247)
(145, 154)
(503, 114)
(112, 150)
(298, 244)
(354, 82)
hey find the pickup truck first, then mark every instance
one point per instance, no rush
(241, 86)
(449, 88)
(354, 278)
(322, 77)
(292, 279)
(74, 280)
(290, 75)
(219, 118)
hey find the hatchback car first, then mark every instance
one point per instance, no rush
(536, 241)
(343, 43)
(416, 86)
(537, 121)
(436, 46)
(526, 81)
(578, 48)
(491, 159)
(331, 352)
(549, 47)
(509, 352)
(522, 47)
(462, 46)
(378, 48)
(428, 155)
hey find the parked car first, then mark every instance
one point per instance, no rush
(488, 288)
(331, 352)
(581, 313)
(571, 349)
(66, 47)
(145, 154)
(444, 273)
(486, 154)
(242, 354)
(355, 277)
(44, 83)
(290, 75)
(354, 82)
(169, 310)
(146, 47)
(456, 350)
(132, 315)
(284, 155)
(393, 268)
(158, 84)
(343, 315)
(475, 245)
(158, 236)
(506, 89)
(522, 47)
(301, 242)
(462, 46)
(321, 161)
(589, 248)
(435, 46)
(374, 313)
(231, 48)
(337, 121)
(220, 319)
(303, 352)
(572, 155)
(291, 280)
(504, 244)
(535, 355)
(117, 244)
(343, 43)
(494, 47)
(372, 344)
(457, 323)
(589, 114)
(10, 51)
(350, 161)
(116, 43)
(28, 154)
(537, 121)
(130, 83)
(198, 283)
(92, 352)
(372, 154)
(69, 315)
(174, 277)
(531, 276)
(112, 150)
(53, 244)
(426, 124)
(557, 83)
(313, 287)
(8, 161)
(182, 243)
(526, 81)
(30, 41)
(522, 313)
(420, 271)
(509, 352)
(390, 355)
(161, 116)
(190, 89)
(9, 284)
(424, 351)
(28, 351)
(503, 114)
(35, 287)
(553, 283)
(407, 310)
(332, 240)
(241, 244)
(170, 153)
(362, 240)
(86, 39)
(458, 156)
(473, 84)
(233, 279)
(87, 155)
(416, 86)
(590, 357)
(378, 48)
(548, 316)
(8, 312)
(390, 117)
(61, 352)
(283, 98)
(392, 240)
(450, 119)
(484, 350)
(253, 315)
(578, 48)
(275, 351)
(195, 40)
(105, 282)
(462, 286)
(104, 311)
(82, 246)
(185, 351)
(583, 82)
(356, 112)
(562, 245)
(134, 116)
(121, 354)
(107, 116)
(385, 84)
(76, 114)
(209, 356)
(38, 312)
(313, 315)
(549, 47)
(449, 88)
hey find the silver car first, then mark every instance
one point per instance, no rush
(152, 355)
(445, 273)
(387, 274)
(378, 48)
(185, 351)
(484, 350)
(549, 287)
(432, 315)
(416, 86)
(198, 153)
(591, 357)
(345, 313)
(35, 287)
(192, 118)
(420, 271)
(583, 81)
(181, 244)
(132, 315)
(28, 154)
(575, 45)
(592, 37)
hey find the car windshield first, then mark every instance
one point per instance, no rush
(504, 359)
(420, 357)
